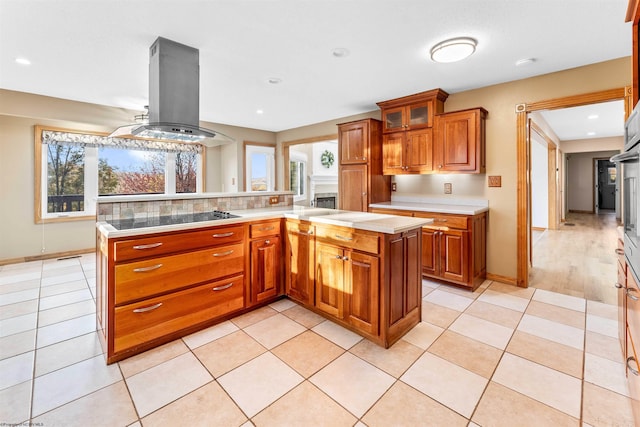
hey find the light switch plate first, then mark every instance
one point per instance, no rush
(447, 188)
(495, 181)
(273, 200)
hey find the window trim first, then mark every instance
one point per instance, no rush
(91, 182)
(300, 159)
(244, 163)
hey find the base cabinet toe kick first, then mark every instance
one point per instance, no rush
(154, 288)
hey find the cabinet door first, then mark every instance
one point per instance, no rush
(329, 279)
(404, 275)
(457, 145)
(419, 115)
(419, 151)
(393, 152)
(354, 142)
(353, 188)
(412, 270)
(265, 271)
(393, 119)
(454, 255)
(361, 291)
(621, 285)
(430, 252)
(300, 258)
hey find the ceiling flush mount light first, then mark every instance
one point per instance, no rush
(259, 112)
(340, 52)
(453, 50)
(526, 61)
(23, 61)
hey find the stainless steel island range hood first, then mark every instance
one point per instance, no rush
(174, 98)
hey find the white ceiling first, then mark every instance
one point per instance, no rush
(602, 120)
(97, 50)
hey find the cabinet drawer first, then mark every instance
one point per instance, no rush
(141, 279)
(262, 229)
(150, 319)
(349, 238)
(144, 247)
(442, 220)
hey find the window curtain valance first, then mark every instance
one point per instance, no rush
(92, 140)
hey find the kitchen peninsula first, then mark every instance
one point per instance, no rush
(158, 281)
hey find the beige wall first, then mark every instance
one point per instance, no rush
(581, 179)
(19, 113)
(500, 100)
(20, 237)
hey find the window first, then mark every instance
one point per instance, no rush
(297, 177)
(76, 168)
(260, 167)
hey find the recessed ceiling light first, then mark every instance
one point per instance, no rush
(259, 112)
(592, 116)
(274, 80)
(453, 50)
(591, 133)
(23, 61)
(340, 52)
(525, 61)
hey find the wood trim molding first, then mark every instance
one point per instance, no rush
(244, 161)
(501, 279)
(47, 256)
(522, 158)
(285, 152)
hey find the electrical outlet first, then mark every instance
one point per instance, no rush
(447, 188)
(393, 186)
(273, 200)
(495, 181)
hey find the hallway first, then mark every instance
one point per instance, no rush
(579, 259)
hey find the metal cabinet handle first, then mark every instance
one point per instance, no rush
(224, 234)
(345, 258)
(149, 246)
(338, 257)
(267, 242)
(632, 370)
(440, 220)
(618, 285)
(267, 228)
(633, 297)
(343, 237)
(145, 309)
(310, 232)
(229, 252)
(619, 251)
(145, 269)
(223, 287)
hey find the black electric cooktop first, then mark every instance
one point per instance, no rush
(128, 224)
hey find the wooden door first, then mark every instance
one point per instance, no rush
(393, 153)
(455, 148)
(419, 151)
(412, 255)
(419, 115)
(430, 252)
(265, 273)
(393, 119)
(354, 142)
(361, 291)
(299, 259)
(329, 279)
(454, 255)
(354, 188)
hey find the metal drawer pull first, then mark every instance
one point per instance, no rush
(267, 228)
(619, 251)
(345, 258)
(310, 232)
(632, 370)
(338, 257)
(224, 234)
(633, 297)
(267, 242)
(343, 238)
(440, 219)
(144, 269)
(224, 253)
(223, 287)
(145, 309)
(149, 246)
(618, 285)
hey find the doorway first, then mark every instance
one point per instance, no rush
(605, 177)
(523, 214)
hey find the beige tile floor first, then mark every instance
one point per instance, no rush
(497, 356)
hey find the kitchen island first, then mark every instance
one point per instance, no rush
(161, 282)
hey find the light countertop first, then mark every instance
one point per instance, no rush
(382, 223)
(459, 206)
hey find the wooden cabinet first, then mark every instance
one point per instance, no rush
(361, 181)
(266, 256)
(352, 290)
(156, 288)
(412, 112)
(453, 246)
(299, 261)
(460, 141)
(633, 342)
(621, 285)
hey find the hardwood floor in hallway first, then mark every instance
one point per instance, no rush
(578, 259)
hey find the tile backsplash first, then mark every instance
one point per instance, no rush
(141, 209)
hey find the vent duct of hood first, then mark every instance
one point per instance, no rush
(174, 98)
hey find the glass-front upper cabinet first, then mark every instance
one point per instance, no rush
(412, 112)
